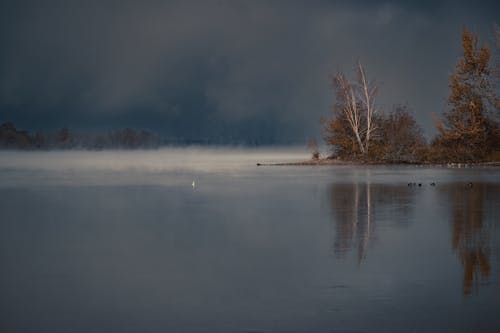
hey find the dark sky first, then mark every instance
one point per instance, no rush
(231, 70)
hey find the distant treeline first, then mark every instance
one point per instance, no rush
(468, 131)
(127, 138)
(13, 138)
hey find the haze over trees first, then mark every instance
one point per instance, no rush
(64, 138)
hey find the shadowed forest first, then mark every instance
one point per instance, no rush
(13, 138)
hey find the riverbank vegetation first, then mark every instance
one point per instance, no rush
(468, 131)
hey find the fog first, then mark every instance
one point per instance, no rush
(166, 159)
(162, 166)
(119, 241)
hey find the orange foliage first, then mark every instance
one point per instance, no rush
(463, 134)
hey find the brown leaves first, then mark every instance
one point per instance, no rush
(464, 127)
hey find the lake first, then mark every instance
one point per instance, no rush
(121, 241)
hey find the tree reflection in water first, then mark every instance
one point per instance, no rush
(357, 208)
(472, 214)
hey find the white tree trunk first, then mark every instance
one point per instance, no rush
(350, 108)
(367, 97)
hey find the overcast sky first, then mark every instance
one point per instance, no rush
(236, 70)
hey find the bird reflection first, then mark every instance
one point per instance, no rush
(357, 207)
(471, 228)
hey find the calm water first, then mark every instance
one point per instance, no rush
(122, 242)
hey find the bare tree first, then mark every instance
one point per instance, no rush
(367, 98)
(350, 106)
(356, 102)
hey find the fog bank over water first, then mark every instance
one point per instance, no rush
(162, 166)
(182, 166)
(167, 159)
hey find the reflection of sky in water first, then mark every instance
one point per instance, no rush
(135, 248)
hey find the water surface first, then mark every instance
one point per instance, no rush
(122, 242)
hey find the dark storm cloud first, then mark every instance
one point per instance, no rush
(221, 69)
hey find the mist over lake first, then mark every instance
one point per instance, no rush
(249, 166)
(122, 241)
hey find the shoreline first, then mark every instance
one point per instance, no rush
(326, 161)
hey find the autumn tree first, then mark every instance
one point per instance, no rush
(464, 132)
(353, 124)
(497, 64)
(401, 139)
